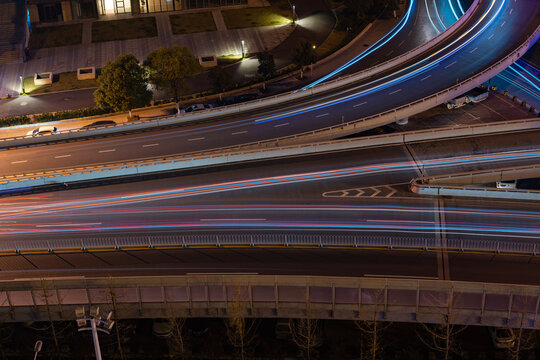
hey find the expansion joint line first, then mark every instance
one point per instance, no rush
(420, 171)
(443, 264)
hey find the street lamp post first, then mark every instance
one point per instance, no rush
(22, 84)
(243, 49)
(96, 324)
(293, 13)
(37, 348)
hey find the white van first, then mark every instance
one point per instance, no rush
(43, 130)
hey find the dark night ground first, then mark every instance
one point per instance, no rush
(207, 339)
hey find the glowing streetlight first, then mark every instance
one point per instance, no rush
(293, 13)
(22, 84)
(243, 49)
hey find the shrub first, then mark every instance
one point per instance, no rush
(14, 120)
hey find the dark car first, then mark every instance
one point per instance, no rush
(97, 124)
(196, 107)
(245, 97)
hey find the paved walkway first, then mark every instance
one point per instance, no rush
(69, 58)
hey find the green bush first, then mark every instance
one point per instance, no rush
(69, 114)
(14, 120)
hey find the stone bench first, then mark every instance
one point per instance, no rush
(87, 73)
(208, 61)
(45, 78)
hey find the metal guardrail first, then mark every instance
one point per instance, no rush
(231, 109)
(230, 238)
(382, 299)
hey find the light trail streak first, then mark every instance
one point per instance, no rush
(20, 211)
(379, 43)
(401, 78)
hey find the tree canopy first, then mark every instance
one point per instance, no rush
(304, 55)
(219, 78)
(169, 69)
(266, 64)
(122, 85)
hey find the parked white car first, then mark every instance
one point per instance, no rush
(43, 130)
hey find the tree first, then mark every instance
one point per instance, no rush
(360, 8)
(306, 334)
(373, 330)
(170, 68)
(219, 78)
(122, 85)
(304, 55)
(267, 67)
(241, 331)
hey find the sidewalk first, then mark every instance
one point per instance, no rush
(69, 58)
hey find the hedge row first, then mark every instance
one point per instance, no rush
(69, 114)
(14, 120)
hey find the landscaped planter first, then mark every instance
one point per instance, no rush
(207, 61)
(87, 73)
(45, 78)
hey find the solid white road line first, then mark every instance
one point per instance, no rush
(104, 151)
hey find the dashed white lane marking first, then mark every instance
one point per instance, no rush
(284, 124)
(410, 32)
(239, 132)
(427, 77)
(492, 35)
(62, 156)
(360, 104)
(511, 11)
(504, 22)
(195, 139)
(108, 150)
(447, 66)
(232, 220)
(390, 52)
(401, 43)
(149, 145)
(395, 91)
(19, 162)
(473, 50)
(321, 115)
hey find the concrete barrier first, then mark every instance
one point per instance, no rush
(447, 184)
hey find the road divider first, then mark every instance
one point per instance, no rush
(461, 184)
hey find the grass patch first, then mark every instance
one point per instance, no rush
(53, 36)
(61, 82)
(124, 29)
(280, 13)
(333, 42)
(229, 59)
(192, 23)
